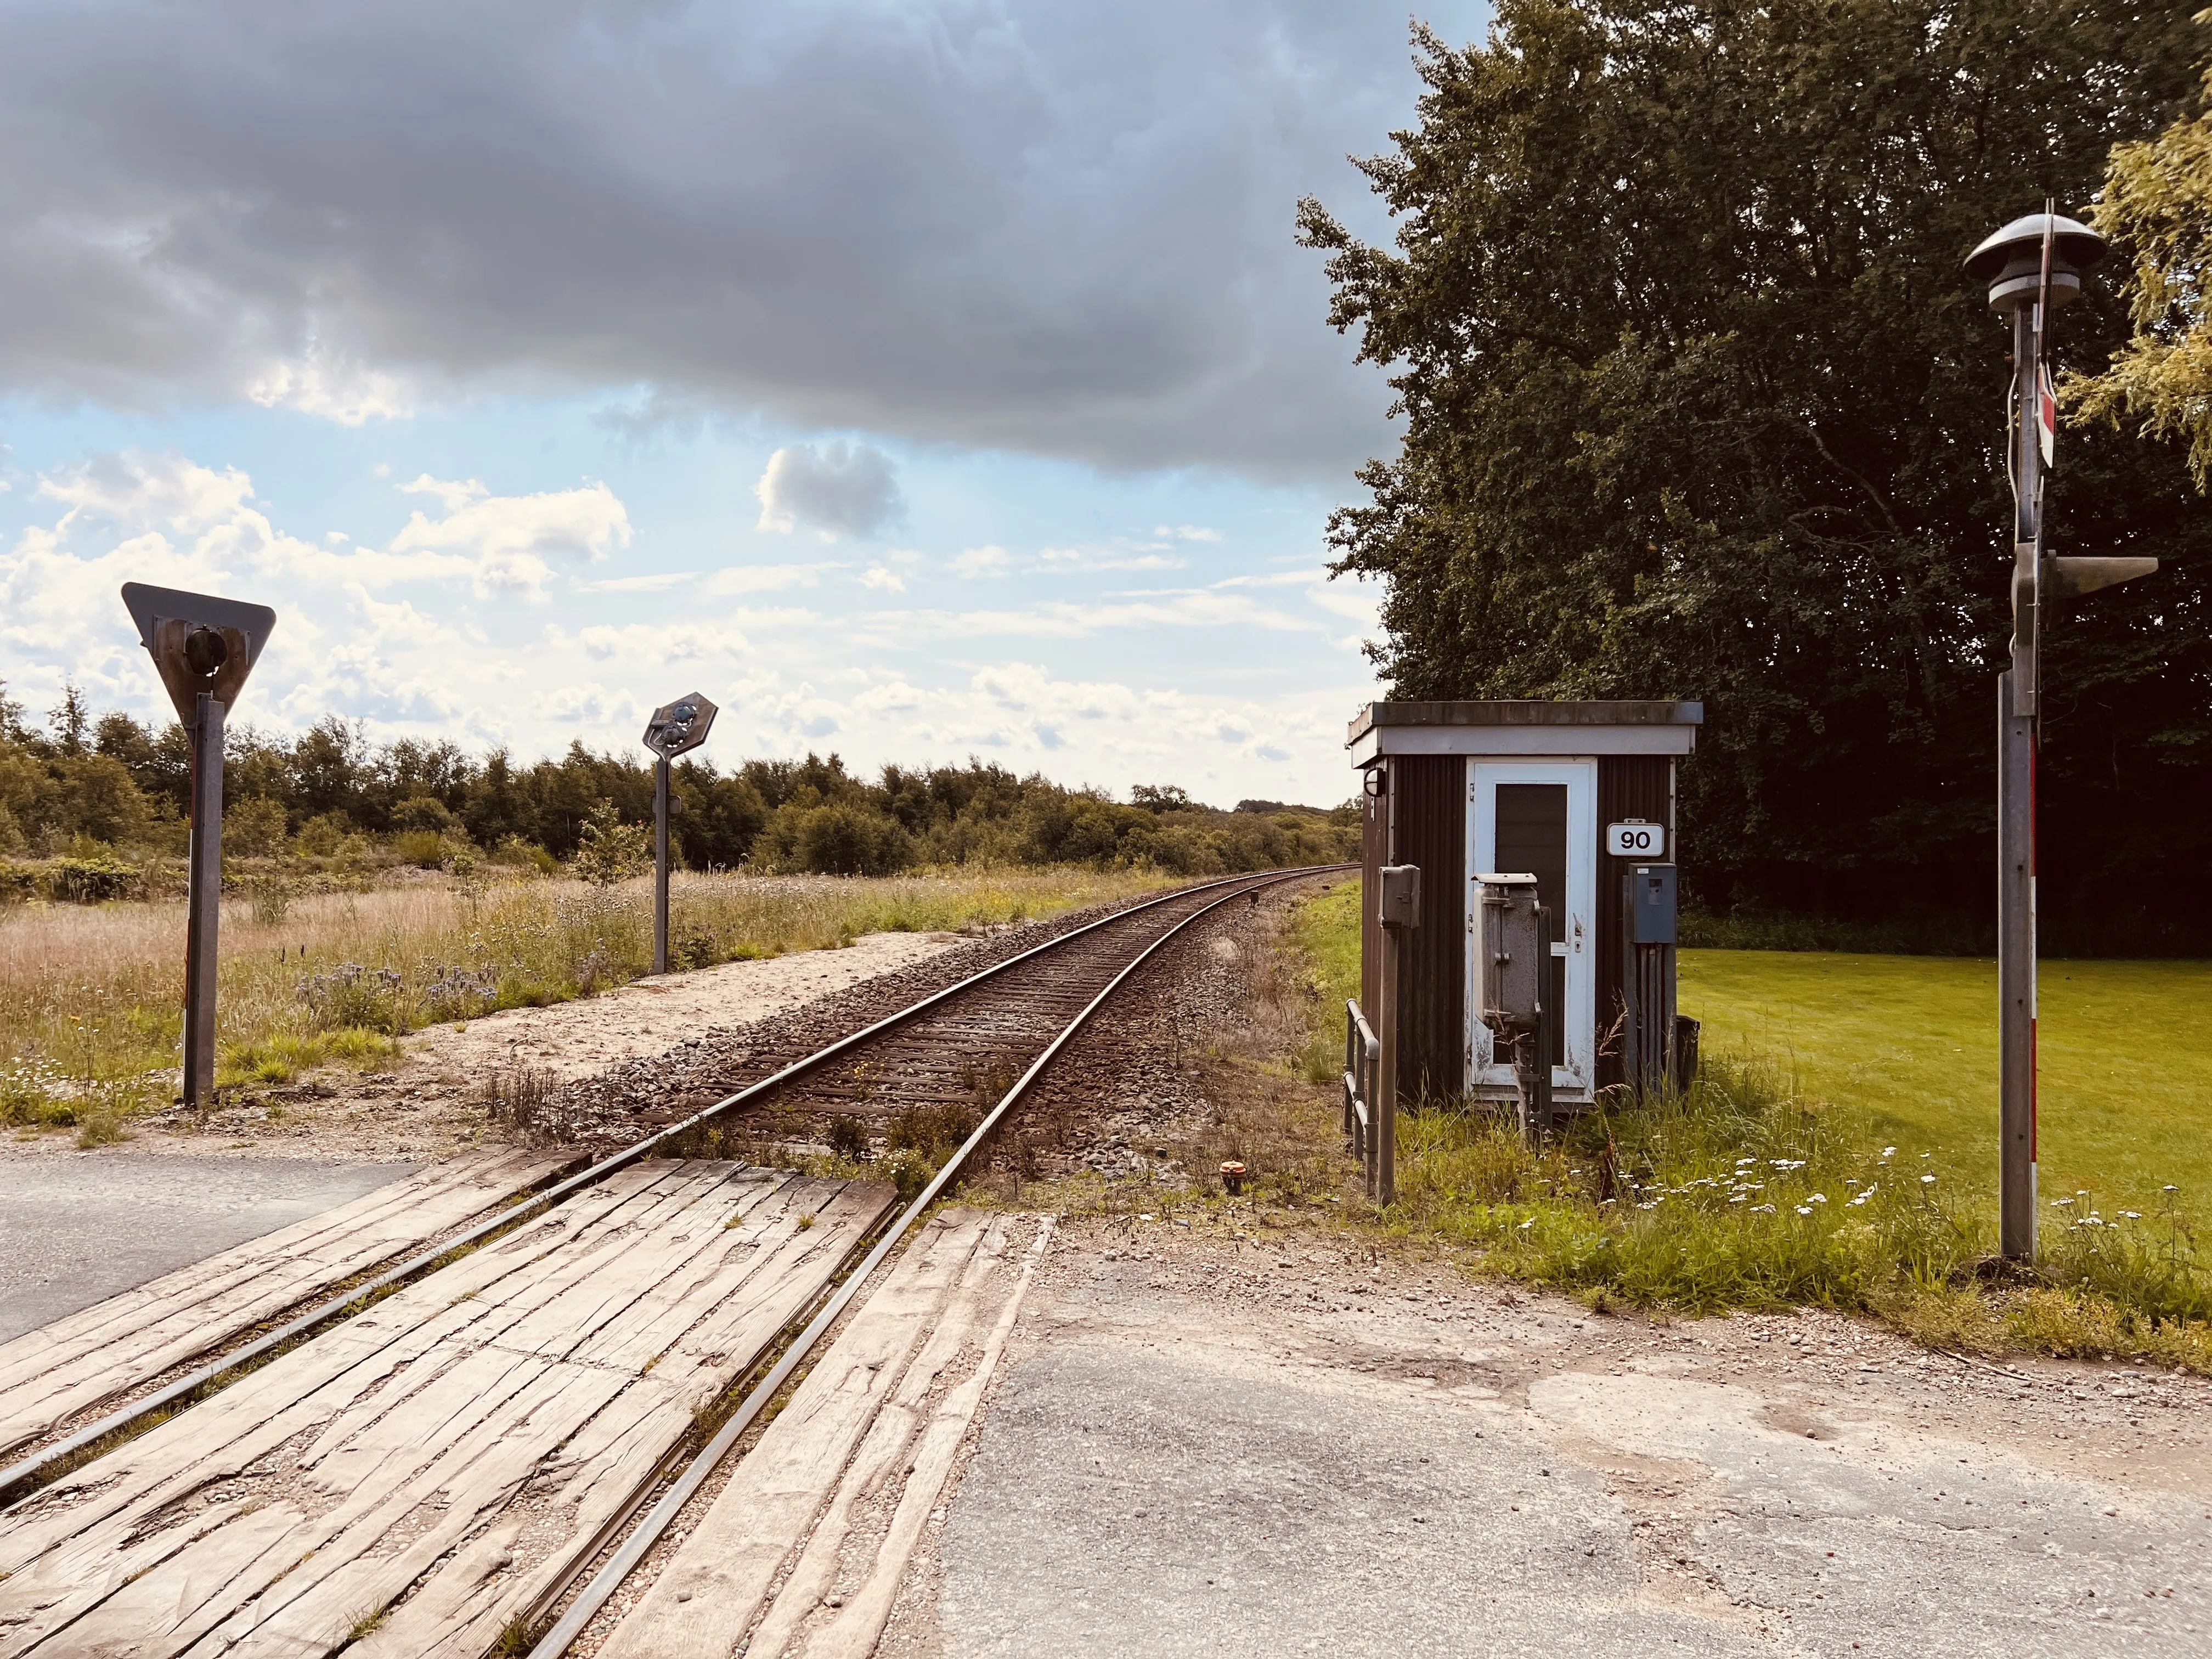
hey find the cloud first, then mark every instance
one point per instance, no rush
(1057, 229)
(982, 562)
(882, 577)
(509, 543)
(838, 490)
(322, 382)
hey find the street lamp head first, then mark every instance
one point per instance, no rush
(2011, 260)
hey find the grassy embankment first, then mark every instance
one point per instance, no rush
(90, 996)
(1835, 1151)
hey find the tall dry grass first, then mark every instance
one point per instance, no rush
(91, 997)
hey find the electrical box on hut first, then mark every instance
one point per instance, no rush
(1561, 816)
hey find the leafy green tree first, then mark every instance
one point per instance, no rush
(609, 850)
(1697, 402)
(2157, 210)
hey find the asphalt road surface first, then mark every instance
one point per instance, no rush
(1254, 1447)
(74, 1228)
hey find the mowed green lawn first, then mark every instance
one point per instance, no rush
(2126, 1053)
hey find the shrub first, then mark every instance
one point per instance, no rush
(425, 848)
(254, 829)
(352, 995)
(608, 850)
(94, 879)
(324, 836)
(18, 883)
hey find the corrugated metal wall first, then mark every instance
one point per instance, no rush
(1628, 786)
(1430, 808)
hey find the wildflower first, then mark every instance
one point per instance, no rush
(1531, 1222)
(1804, 1209)
(1818, 1198)
(1889, 1151)
(1927, 1179)
(1739, 1198)
(1762, 1209)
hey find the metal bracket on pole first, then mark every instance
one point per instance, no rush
(675, 728)
(203, 648)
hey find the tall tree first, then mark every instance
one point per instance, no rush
(1697, 402)
(2157, 210)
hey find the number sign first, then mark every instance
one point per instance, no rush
(1636, 840)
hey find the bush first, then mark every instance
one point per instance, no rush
(324, 836)
(350, 995)
(607, 849)
(516, 852)
(424, 848)
(95, 879)
(835, 838)
(18, 883)
(254, 829)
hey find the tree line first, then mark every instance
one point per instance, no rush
(108, 783)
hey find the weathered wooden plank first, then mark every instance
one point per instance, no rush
(395, 1449)
(226, 1435)
(71, 1548)
(716, 1582)
(891, 1453)
(78, 1363)
(730, 1318)
(853, 1630)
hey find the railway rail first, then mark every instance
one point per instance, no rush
(124, 1491)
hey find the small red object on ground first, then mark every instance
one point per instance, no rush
(1232, 1177)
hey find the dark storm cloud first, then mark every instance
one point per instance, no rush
(1057, 228)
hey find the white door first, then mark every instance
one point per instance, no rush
(1539, 817)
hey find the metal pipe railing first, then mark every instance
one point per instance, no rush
(1363, 1061)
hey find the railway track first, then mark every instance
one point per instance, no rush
(668, 1284)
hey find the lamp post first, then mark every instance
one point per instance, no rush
(203, 648)
(675, 728)
(2032, 265)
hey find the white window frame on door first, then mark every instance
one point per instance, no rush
(1578, 930)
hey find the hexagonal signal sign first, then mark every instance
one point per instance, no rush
(678, 727)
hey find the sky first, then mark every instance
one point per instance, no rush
(915, 380)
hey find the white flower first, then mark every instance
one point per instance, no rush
(1762, 1209)
(2060, 1203)
(1804, 1209)
(1529, 1223)
(1818, 1198)
(1927, 1179)
(1739, 1198)
(1889, 1151)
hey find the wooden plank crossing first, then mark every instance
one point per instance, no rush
(410, 1482)
(92, 1356)
(835, 1494)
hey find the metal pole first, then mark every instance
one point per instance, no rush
(660, 865)
(203, 903)
(2015, 976)
(1383, 1110)
(2019, 702)
(1546, 1018)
